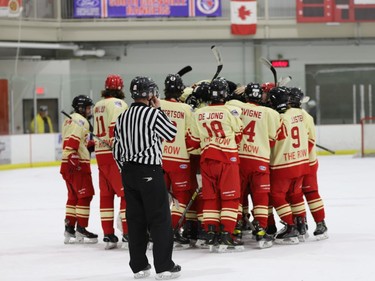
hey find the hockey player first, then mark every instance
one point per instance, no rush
(176, 159)
(106, 112)
(76, 171)
(289, 163)
(261, 125)
(217, 129)
(310, 181)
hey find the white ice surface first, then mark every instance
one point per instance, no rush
(32, 206)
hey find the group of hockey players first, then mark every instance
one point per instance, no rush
(234, 144)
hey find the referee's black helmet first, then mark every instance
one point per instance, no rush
(143, 87)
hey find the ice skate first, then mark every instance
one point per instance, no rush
(84, 236)
(237, 233)
(302, 229)
(111, 241)
(264, 240)
(211, 238)
(69, 234)
(191, 232)
(174, 273)
(227, 244)
(144, 273)
(201, 238)
(321, 231)
(288, 235)
(180, 242)
(125, 242)
(271, 230)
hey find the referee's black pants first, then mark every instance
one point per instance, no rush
(147, 208)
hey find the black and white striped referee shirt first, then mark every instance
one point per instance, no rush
(139, 132)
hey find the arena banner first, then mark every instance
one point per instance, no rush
(146, 8)
(243, 17)
(10, 8)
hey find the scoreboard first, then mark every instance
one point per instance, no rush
(335, 11)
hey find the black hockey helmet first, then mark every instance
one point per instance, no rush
(80, 103)
(174, 83)
(279, 98)
(201, 91)
(143, 87)
(218, 90)
(253, 92)
(297, 97)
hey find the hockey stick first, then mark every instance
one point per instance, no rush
(95, 136)
(195, 194)
(284, 81)
(185, 70)
(217, 55)
(268, 64)
(326, 149)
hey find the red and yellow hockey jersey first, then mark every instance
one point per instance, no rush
(261, 125)
(180, 115)
(74, 135)
(106, 112)
(216, 129)
(290, 155)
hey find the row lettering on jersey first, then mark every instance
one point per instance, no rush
(250, 148)
(174, 114)
(210, 115)
(297, 119)
(171, 149)
(251, 113)
(295, 155)
(224, 141)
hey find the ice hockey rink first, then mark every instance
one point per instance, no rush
(32, 206)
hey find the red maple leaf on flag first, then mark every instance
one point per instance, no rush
(243, 13)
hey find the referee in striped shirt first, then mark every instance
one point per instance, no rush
(137, 149)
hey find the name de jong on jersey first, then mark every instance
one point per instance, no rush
(216, 129)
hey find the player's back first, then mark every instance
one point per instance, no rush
(290, 156)
(106, 112)
(217, 127)
(180, 115)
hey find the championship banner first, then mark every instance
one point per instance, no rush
(10, 8)
(243, 17)
(146, 8)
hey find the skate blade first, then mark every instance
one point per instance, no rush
(110, 246)
(287, 241)
(226, 249)
(125, 245)
(265, 244)
(322, 236)
(201, 244)
(303, 238)
(69, 240)
(177, 246)
(81, 240)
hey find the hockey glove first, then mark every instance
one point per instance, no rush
(73, 161)
(192, 101)
(91, 146)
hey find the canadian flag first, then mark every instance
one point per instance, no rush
(243, 17)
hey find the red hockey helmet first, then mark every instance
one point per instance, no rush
(266, 87)
(114, 82)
